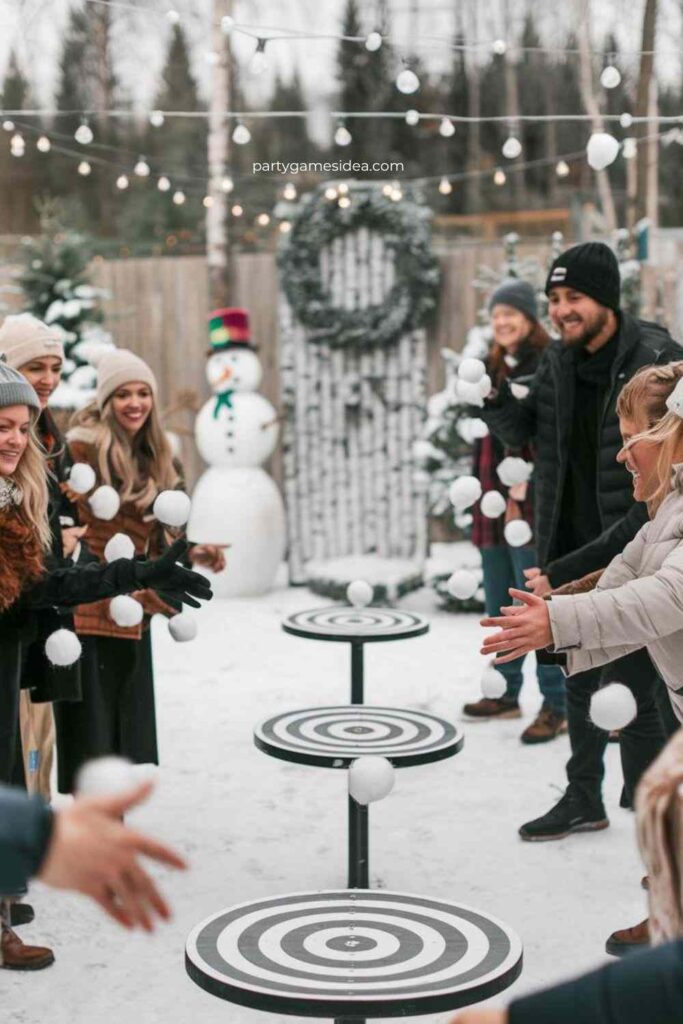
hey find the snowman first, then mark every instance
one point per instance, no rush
(235, 502)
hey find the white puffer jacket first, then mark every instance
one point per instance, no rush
(637, 603)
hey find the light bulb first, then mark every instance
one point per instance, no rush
(8, 126)
(446, 128)
(179, 197)
(263, 219)
(43, 145)
(342, 136)
(499, 47)
(629, 148)
(84, 168)
(289, 191)
(331, 192)
(610, 77)
(373, 41)
(259, 62)
(396, 194)
(562, 169)
(83, 134)
(626, 120)
(156, 119)
(285, 227)
(499, 178)
(512, 147)
(407, 81)
(412, 117)
(173, 16)
(141, 168)
(343, 188)
(163, 183)
(241, 135)
(227, 24)
(207, 201)
(122, 182)
(17, 145)
(386, 190)
(344, 202)
(237, 210)
(445, 187)
(227, 184)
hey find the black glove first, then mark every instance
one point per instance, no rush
(173, 582)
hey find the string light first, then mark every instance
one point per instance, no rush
(412, 117)
(629, 148)
(396, 193)
(8, 126)
(562, 169)
(445, 187)
(237, 210)
(163, 184)
(259, 61)
(179, 197)
(342, 136)
(407, 81)
(122, 182)
(373, 42)
(331, 192)
(499, 47)
(17, 146)
(84, 168)
(512, 147)
(610, 77)
(626, 120)
(289, 191)
(43, 144)
(446, 127)
(344, 202)
(263, 219)
(285, 226)
(84, 134)
(227, 184)
(342, 188)
(207, 201)
(386, 190)
(499, 178)
(141, 168)
(241, 135)
(156, 118)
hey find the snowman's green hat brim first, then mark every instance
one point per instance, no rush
(225, 346)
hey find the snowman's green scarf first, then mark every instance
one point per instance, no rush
(223, 398)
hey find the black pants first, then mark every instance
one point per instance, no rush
(640, 742)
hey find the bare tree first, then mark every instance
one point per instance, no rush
(470, 31)
(217, 249)
(646, 103)
(590, 102)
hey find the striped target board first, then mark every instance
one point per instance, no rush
(333, 737)
(353, 953)
(356, 625)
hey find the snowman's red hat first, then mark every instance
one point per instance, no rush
(229, 328)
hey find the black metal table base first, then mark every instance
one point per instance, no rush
(359, 846)
(357, 674)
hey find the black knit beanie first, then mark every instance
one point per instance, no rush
(590, 268)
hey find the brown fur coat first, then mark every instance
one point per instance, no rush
(21, 558)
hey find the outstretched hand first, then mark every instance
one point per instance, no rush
(165, 575)
(522, 628)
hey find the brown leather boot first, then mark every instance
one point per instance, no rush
(546, 726)
(628, 940)
(493, 707)
(16, 956)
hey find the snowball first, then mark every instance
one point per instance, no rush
(104, 502)
(613, 707)
(172, 508)
(359, 593)
(485, 386)
(517, 533)
(514, 470)
(62, 647)
(183, 627)
(105, 776)
(602, 150)
(82, 478)
(471, 370)
(438, 404)
(119, 546)
(493, 683)
(519, 391)
(423, 450)
(478, 428)
(126, 611)
(493, 504)
(464, 491)
(469, 393)
(370, 778)
(463, 584)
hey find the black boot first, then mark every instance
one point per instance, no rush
(571, 814)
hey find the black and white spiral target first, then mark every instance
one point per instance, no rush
(333, 737)
(355, 953)
(360, 624)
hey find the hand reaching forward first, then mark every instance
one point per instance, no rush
(166, 576)
(92, 852)
(537, 582)
(523, 628)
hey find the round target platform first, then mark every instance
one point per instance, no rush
(356, 953)
(355, 625)
(333, 737)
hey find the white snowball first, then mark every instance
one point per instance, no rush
(463, 584)
(371, 778)
(106, 776)
(119, 546)
(493, 504)
(519, 391)
(513, 470)
(63, 647)
(485, 386)
(437, 404)
(182, 627)
(478, 429)
(517, 533)
(82, 477)
(359, 593)
(464, 491)
(602, 150)
(469, 393)
(172, 508)
(125, 610)
(613, 707)
(104, 502)
(493, 683)
(471, 370)
(422, 450)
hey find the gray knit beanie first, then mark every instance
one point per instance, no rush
(518, 294)
(15, 389)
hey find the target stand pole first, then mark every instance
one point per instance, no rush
(357, 673)
(359, 847)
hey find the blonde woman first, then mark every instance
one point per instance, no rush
(120, 436)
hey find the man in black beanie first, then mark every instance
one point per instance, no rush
(585, 511)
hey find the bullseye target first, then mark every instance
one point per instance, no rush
(360, 625)
(355, 953)
(333, 737)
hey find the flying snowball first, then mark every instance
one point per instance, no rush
(359, 593)
(106, 776)
(493, 504)
(464, 491)
(182, 627)
(463, 584)
(485, 385)
(493, 683)
(478, 429)
(517, 533)
(469, 393)
(602, 150)
(513, 470)
(62, 648)
(82, 478)
(119, 546)
(172, 508)
(471, 370)
(613, 707)
(104, 502)
(370, 778)
(126, 611)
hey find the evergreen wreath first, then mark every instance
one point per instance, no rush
(404, 226)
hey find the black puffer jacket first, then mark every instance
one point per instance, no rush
(544, 417)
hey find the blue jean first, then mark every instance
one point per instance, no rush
(504, 568)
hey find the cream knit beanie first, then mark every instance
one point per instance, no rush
(119, 367)
(23, 337)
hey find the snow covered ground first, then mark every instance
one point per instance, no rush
(253, 826)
